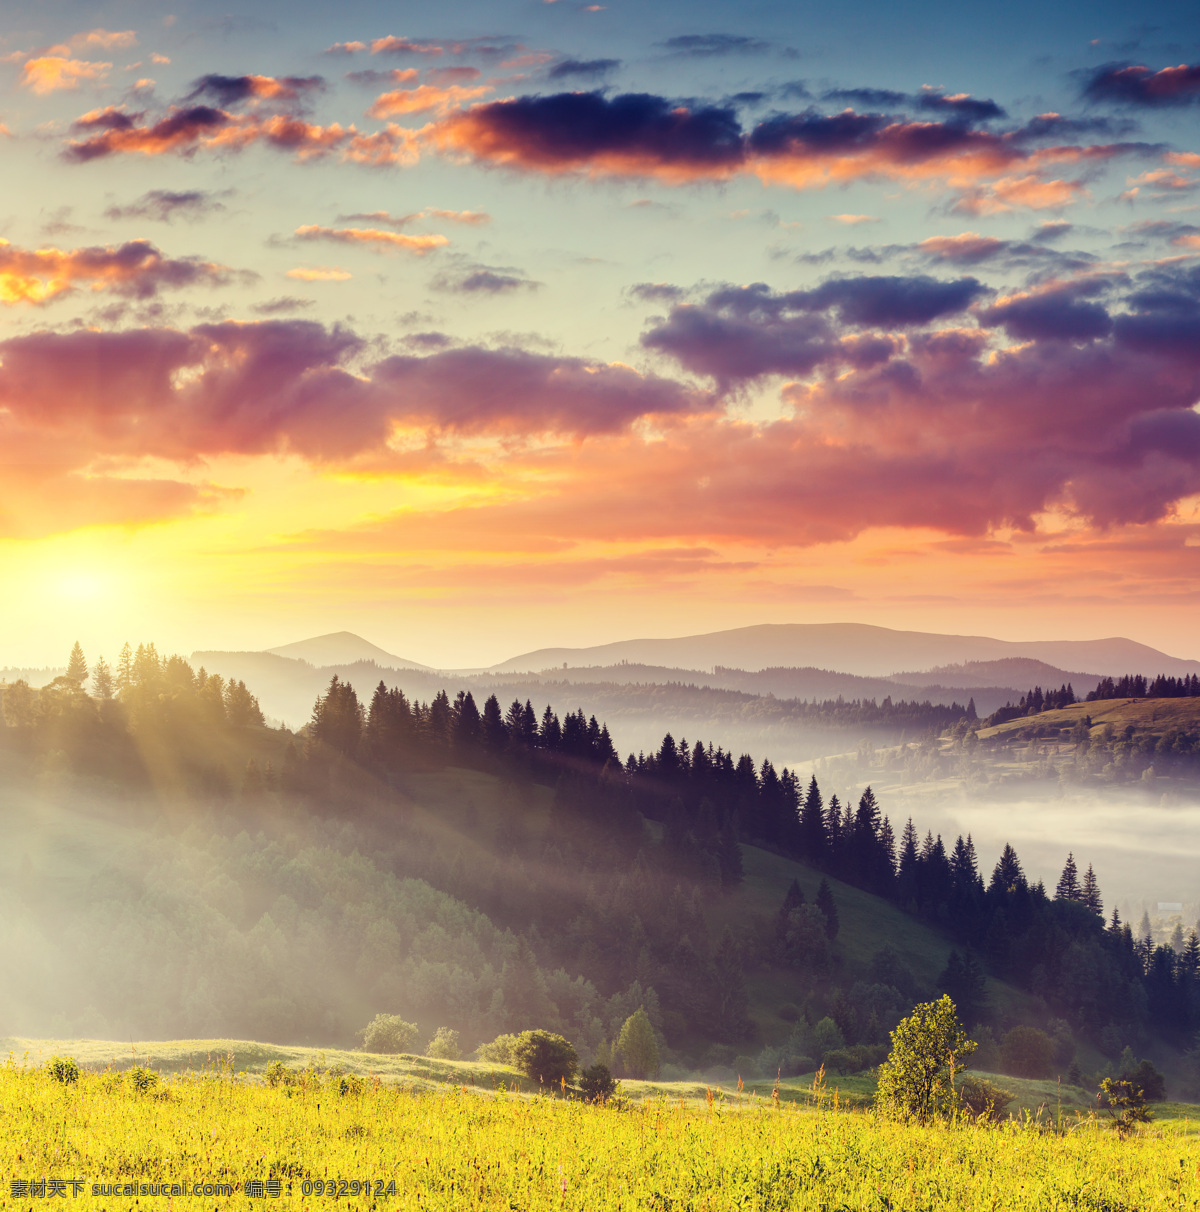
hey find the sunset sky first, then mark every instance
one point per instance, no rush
(474, 328)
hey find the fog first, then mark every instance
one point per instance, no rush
(1144, 846)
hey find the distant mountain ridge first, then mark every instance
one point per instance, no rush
(342, 648)
(1010, 671)
(857, 648)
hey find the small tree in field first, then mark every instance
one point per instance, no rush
(1126, 1103)
(916, 1082)
(545, 1057)
(637, 1047)
(388, 1033)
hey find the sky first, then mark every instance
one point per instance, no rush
(475, 328)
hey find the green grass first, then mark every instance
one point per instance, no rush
(453, 1148)
(1145, 715)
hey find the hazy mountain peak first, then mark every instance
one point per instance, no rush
(342, 648)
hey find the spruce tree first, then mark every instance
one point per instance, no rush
(102, 682)
(77, 670)
(812, 825)
(1068, 883)
(1090, 893)
(125, 669)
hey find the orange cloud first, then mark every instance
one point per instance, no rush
(391, 45)
(1032, 192)
(373, 237)
(56, 73)
(136, 268)
(319, 274)
(638, 135)
(424, 98)
(195, 127)
(473, 218)
(105, 39)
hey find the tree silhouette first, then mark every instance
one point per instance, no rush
(77, 670)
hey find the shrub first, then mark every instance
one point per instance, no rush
(63, 1069)
(444, 1045)
(351, 1084)
(597, 1084)
(983, 1100)
(545, 1057)
(856, 1058)
(916, 1081)
(637, 1047)
(1027, 1052)
(387, 1033)
(499, 1051)
(278, 1074)
(142, 1080)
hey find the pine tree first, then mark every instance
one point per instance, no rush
(102, 682)
(337, 718)
(77, 670)
(906, 875)
(1068, 883)
(1007, 875)
(812, 825)
(825, 903)
(1090, 893)
(125, 669)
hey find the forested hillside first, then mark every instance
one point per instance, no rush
(177, 867)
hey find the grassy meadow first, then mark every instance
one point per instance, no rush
(457, 1136)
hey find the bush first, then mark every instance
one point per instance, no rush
(545, 1058)
(387, 1033)
(1027, 1052)
(142, 1080)
(278, 1074)
(983, 1100)
(916, 1080)
(499, 1051)
(444, 1045)
(63, 1069)
(597, 1084)
(856, 1058)
(351, 1085)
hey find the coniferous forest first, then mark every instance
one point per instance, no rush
(492, 869)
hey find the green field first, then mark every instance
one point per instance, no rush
(468, 1144)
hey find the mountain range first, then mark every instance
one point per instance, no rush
(851, 648)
